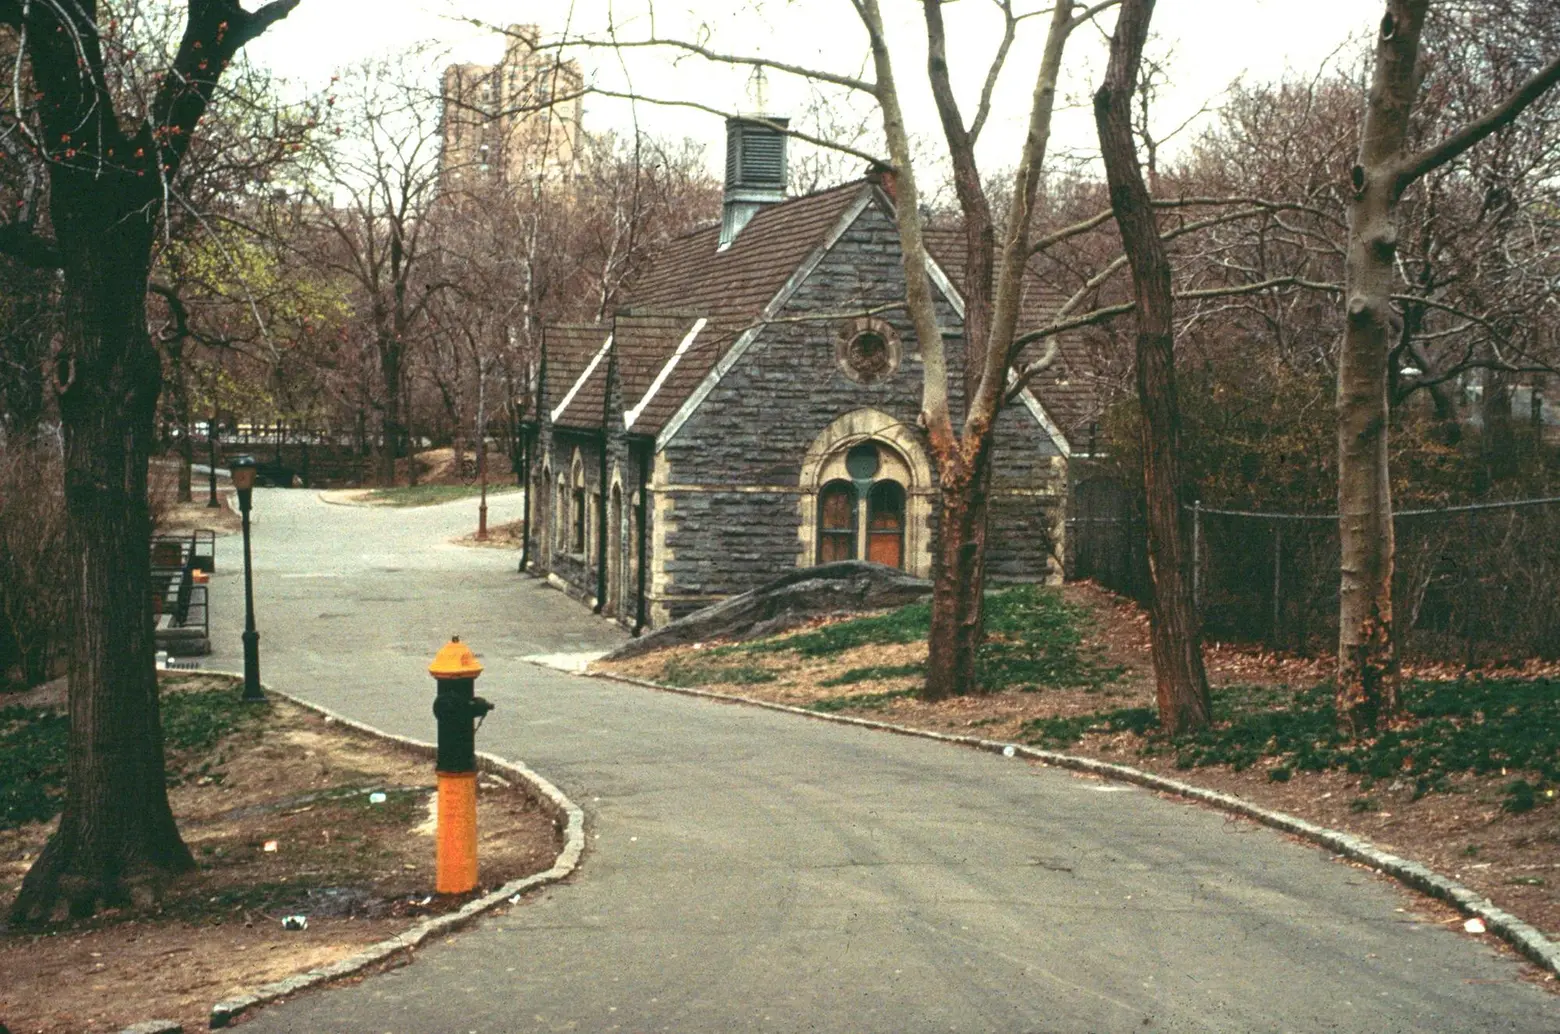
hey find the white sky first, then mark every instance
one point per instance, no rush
(1209, 43)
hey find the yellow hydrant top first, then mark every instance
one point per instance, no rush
(455, 661)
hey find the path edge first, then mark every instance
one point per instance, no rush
(565, 814)
(1526, 939)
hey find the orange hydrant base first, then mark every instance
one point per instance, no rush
(457, 836)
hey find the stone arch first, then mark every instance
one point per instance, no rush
(904, 460)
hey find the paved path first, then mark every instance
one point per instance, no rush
(752, 871)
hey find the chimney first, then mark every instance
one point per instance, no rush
(885, 178)
(755, 171)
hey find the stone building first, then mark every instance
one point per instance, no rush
(514, 120)
(754, 409)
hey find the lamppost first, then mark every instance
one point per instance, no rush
(243, 468)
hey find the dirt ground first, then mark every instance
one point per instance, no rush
(500, 536)
(171, 516)
(1512, 859)
(438, 467)
(281, 823)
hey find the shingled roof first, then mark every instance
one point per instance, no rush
(695, 301)
(729, 288)
(1066, 390)
(570, 350)
(642, 343)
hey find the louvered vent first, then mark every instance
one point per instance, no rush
(755, 171)
(755, 153)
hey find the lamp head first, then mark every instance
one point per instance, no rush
(243, 468)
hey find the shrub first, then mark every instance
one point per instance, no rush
(33, 603)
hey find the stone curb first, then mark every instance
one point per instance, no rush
(321, 494)
(1521, 936)
(565, 814)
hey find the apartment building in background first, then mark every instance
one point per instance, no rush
(519, 119)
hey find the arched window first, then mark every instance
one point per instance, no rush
(837, 522)
(615, 551)
(578, 512)
(560, 514)
(886, 524)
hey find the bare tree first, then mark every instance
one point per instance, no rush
(1180, 679)
(1386, 169)
(366, 203)
(109, 161)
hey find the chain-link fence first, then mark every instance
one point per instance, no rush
(1471, 583)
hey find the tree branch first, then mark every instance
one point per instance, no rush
(716, 57)
(1257, 206)
(875, 160)
(1110, 312)
(1089, 14)
(214, 31)
(263, 19)
(1009, 30)
(1499, 117)
(1021, 378)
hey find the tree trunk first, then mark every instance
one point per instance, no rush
(958, 579)
(1499, 448)
(1367, 653)
(390, 370)
(1181, 682)
(116, 842)
(181, 405)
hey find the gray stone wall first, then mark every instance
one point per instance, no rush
(577, 573)
(1028, 502)
(576, 569)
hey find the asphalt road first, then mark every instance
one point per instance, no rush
(754, 871)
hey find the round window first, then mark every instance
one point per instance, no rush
(867, 350)
(861, 462)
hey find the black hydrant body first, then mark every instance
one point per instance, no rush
(457, 709)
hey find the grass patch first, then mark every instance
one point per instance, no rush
(908, 624)
(1061, 733)
(875, 672)
(32, 764)
(432, 495)
(33, 743)
(705, 670)
(1478, 726)
(1035, 639)
(858, 701)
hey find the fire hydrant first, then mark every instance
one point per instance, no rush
(456, 709)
